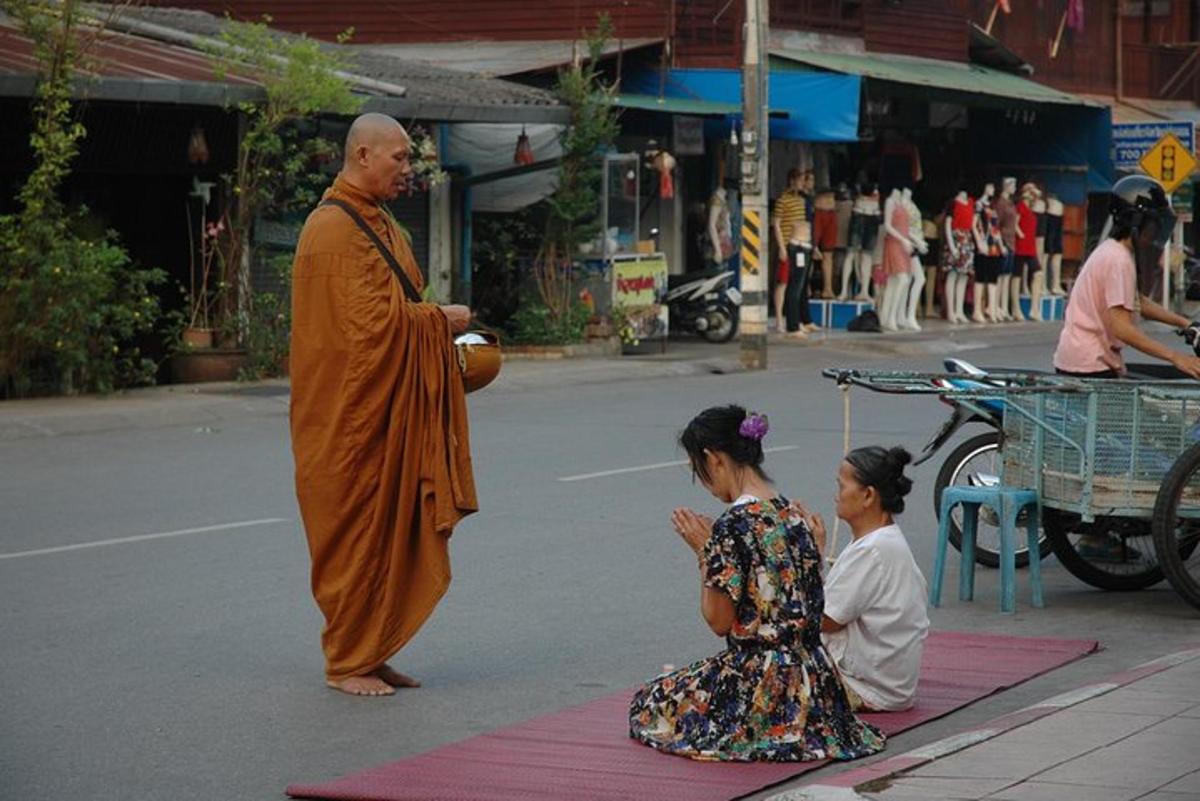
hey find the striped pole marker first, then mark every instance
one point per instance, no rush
(751, 242)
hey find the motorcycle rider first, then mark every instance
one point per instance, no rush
(1114, 286)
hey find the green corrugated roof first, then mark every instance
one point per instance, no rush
(676, 105)
(932, 73)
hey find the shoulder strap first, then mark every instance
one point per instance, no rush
(409, 290)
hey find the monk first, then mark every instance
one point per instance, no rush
(378, 419)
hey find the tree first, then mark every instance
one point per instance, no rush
(301, 78)
(70, 305)
(574, 207)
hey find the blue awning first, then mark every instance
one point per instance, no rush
(821, 106)
(1068, 148)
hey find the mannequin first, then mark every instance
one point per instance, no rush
(987, 257)
(824, 236)
(958, 256)
(897, 262)
(843, 209)
(1039, 210)
(1054, 243)
(864, 233)
(1027, 255)
(1006, 211)
(720, 227)
(907, 317)
(933, 238)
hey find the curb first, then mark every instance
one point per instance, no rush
(843, 787)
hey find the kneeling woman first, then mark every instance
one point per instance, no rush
(875, 619)
(774, 693)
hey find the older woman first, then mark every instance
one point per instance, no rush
(875, 621)
(773, 693)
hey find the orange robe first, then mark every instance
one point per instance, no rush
(379, 436)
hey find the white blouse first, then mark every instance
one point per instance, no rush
(877, 591)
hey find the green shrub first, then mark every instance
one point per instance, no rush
(534, 324)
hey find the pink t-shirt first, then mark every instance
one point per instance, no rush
(1107, 279)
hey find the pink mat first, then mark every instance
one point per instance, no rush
(584, 752)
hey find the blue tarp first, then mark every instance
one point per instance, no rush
(821, 106)
(1057, 138)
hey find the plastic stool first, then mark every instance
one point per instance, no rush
(1008, 503)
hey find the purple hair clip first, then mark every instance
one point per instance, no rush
(754, 426)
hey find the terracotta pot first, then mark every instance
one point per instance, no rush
(213, 364)
(197, 337)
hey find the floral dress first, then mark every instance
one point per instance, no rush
(774, 693)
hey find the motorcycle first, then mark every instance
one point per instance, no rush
(705, 303)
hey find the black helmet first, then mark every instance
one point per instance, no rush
(1136, 200)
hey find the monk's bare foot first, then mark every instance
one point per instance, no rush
(394, 677)
(363, 685)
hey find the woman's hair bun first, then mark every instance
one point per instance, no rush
(900, 456)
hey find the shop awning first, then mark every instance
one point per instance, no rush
(820, 106)
(934, 74)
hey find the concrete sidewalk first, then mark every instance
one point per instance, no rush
(1130, 737)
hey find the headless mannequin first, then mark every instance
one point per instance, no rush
(1054, 216)
(956, 282)
(895, 291)
(825, 202)
(860, 257)
(843, 208)
(1035, 282)
(981, 247)
(1005, 289)
(929, 231)
(907, 317)
(719, 225)
(1039, 208)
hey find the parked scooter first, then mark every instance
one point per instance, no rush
(705, 303)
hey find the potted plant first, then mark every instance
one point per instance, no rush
(198, 329)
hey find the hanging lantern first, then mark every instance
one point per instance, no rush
(197, 151)
(524, 152)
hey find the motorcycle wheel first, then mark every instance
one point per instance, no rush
(1134, 566)
(980, 453)
(1176, 535)
(722, 323)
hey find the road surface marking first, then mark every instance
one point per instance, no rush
(143, 537)
(659, 466)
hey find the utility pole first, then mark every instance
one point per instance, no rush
(755, 241)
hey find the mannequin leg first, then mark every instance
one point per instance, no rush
(953, 298)
(1035, 296)
(1002, 298)
(827, 259)
(977, 314)
(895, 296)
(993, 302)
(909, 310)
(864, 276)
(931, 285)
(1056, 287)
(1024, 282)
(960, 299)
(849, 264)
(884, 303)
(1014, 288)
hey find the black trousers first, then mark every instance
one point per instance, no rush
(795, 297)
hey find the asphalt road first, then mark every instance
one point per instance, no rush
(188, 667)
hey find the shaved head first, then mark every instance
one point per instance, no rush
(376, 156)
(371, 130)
